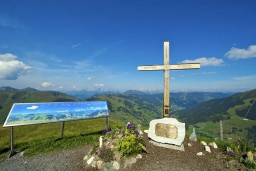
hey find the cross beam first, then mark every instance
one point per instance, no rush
(166, 67)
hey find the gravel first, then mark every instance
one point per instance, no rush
(157, 159)
(71, 159)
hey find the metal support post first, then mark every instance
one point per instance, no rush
(62, 128)
(12, 153)
(221, 131)
(107, 122)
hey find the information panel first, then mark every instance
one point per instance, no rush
(38, 113)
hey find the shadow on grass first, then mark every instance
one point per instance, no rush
(54, 144)
(81, 135)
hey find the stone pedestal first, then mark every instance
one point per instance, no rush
(167, 131)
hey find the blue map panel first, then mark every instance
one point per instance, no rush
(37, 113)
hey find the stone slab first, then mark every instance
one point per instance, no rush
(170, 146)
(178, 140)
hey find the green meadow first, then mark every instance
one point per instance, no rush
(233, 129)
(43, 138)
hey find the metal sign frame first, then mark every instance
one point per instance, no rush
(54, 121)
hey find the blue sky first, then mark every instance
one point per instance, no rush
(74, 45)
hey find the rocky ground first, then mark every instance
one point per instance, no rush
(157, 158)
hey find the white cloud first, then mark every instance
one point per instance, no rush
(32, 107)
(245, 78)
(236, 53)
(61, 87)
(10, 23)
(89, 78)
(99, 85)
(206, 61)
(11, 68)
(76, 45)
(209, 73)
(47, 84)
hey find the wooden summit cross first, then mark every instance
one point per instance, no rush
(166, 67)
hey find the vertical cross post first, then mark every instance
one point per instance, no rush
(166, 109)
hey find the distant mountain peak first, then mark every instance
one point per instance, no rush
(8, 88)
(29, 89)
(134, 92)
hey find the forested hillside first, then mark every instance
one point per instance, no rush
(8, 96)
(217, 109)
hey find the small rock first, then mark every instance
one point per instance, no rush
(94, 163)
(140, 132)
(229, 149)
(86, 157)
(213, 144)
(139, 156)
(107, 166)
(22, 153)
(90, 160)
(232, 164)
(117, 156)
(207, 148)
(116, 165)
(189, 144)
(99, 164)
(90, 151)
(199, 154)
(204, 143)
(192, 137)
(133, 160)
(250, 156)
(146, 131)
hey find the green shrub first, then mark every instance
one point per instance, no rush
(248, 163)
(131, 143)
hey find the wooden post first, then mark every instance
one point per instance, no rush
(107, 122)
(62, 129)
(221, 131)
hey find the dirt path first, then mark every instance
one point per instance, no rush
(157, 159)
(71, 159)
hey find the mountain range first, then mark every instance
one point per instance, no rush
(202, 110)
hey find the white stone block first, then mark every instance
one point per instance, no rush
(85, 157)
(90, 160)
(99, 164)
(213, 144)
(139, 156)
(94, 163)
(101, 141)
(199, 154)
(146, 131)
(116, 165)
(207, 148)
(204, 143)
(172, 123)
